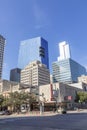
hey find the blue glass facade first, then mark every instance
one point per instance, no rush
(67, 71)
(31, 50)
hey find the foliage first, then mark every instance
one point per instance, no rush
(81, 97)
(15, 100)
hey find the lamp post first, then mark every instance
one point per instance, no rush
(42, 104)
(28, 105)
(57, 96)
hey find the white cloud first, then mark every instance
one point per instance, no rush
(38, 13)
(40, 16)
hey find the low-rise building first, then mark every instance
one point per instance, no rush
(58, 92)
(7, 87)
(79, 85)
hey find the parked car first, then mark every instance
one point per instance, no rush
(6, 112)
(2, 112)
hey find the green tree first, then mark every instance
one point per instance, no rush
(17, 99)
(81, 96)
(1, 101)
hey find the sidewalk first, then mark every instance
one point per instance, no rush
(78, 111)
(37, 113)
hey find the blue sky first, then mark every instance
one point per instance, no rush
(54, 20)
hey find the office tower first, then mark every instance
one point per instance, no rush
(35, 74)
(67, 70)
(15, 75)
(64, 50)
(2, 44)
(31, 50)
(83, 79)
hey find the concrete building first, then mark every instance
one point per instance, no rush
(35, 74)
(82, 78)
(15, 75)
(31, 50)
(64, 51)
(2, 45)
(67, 71)
(80, 85)
(7, 87)
(58, 93)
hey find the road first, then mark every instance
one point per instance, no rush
(75, 121)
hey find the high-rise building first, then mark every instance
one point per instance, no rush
(35, 74)
(83, 79)
(67, 70)
(31, 50)
(15, 75)
(64, 51)
(2, 44)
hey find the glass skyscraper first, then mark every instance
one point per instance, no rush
(67, 70)
(31, 50)
(64, 50)
(2, 44)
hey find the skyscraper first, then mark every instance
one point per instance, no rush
(31, 50)
(67, 71)
(2, 44)
(64, 51)
(15, 74)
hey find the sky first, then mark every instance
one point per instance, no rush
(54, 20)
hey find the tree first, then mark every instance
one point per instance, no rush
(17, 99)
(81, 97)
(1, 101)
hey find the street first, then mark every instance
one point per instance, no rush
(70, 121)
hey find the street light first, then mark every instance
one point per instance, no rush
(57, 96)
(41, 103)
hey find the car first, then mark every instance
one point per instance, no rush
(5, 112)
(62, 110)
(2, 112)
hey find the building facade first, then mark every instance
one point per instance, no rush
(82, 78)
(2, 45)
(64, 51)
(31, 50)
(59, 92)
(15, 75)
(7, 87)
(35, 74)
(67, 71)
